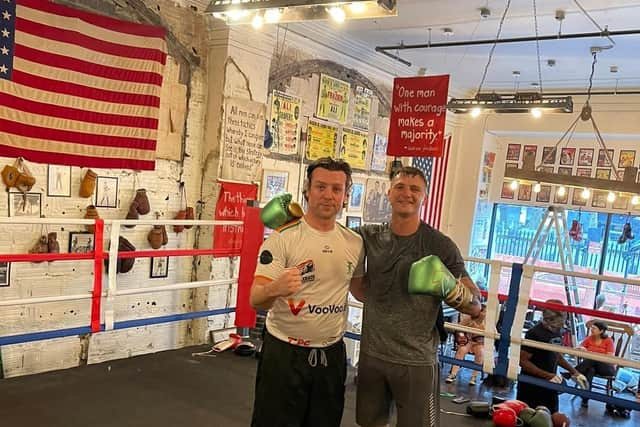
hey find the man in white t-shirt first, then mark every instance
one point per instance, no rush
(303, 278)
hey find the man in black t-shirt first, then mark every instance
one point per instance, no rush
(543, 363)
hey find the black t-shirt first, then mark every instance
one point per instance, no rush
(543, 359)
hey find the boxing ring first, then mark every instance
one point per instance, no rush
(103, 293)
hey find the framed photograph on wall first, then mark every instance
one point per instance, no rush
(599, 199)
(513, 152)
(549, 155)
(159, 267)
(621, 202)
(356, 197)
(544, 196)
(80, 242)
(106, 192)
(353, 221)
(563, 170)
(508, 165)
(529, 154)
(561, 200)
(576, 198)
(59, 181)
(603, 161)
(25, 205)
(567, 156)
(583, 172)
(5, 274)
(507, 192)
(627, 158)
(524, 192)
(273, 183)
(602, 173)
(547, 169)
(585, 157)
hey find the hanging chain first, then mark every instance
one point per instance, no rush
(535, 20)
(493, 48)
(593, 69)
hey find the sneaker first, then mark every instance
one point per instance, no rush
(451, 378)
(472, 381)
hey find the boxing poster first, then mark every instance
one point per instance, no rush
(362, 108)
(333, 99)
(285, 122)
(353, 147)
(376, 204)
(379, 156)
(322, 139)
(418, 116)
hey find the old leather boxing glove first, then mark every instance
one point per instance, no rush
(279, 211)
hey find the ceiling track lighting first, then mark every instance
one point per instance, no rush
(243, 12)
(522, 102)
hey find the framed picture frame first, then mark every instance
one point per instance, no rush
(627, 158)
(356, 196)
(159, 267)
(603, 173)
(599, 199)
(560, 200)
(507, 192)
(513, 151)
(544, 196)
(564, 170)
(524, 192)
(58, 181)
(603, 162)
(273, 183)
(353, 221)
(584, 172)
(549, 155)
(576, 198)
(585, 157)
(567, 156)
(25, 205)
(529, 153)
(80, 242)
(621, 202)
(508, 165)
(547, 169)
(106, 192)
(5, 274)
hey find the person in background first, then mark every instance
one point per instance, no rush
(469, 343)
(303, 276)
(544, 363)
(597, 342)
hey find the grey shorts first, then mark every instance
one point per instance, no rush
(415, 390)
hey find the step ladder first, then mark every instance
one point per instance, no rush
(555, 220)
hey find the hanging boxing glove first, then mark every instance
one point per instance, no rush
(279, 211)
(627, 232)
(576, 231)
(430, 276)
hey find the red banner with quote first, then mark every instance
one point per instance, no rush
(232, 206)
(418, 116)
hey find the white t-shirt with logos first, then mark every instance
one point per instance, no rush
(316, 316)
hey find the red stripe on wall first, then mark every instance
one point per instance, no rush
(69, 113)
(75, 160)
(80, 39)
(50, 85)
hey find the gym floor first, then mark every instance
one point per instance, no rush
(174, 388)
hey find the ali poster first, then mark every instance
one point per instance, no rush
(333, 99)
(379, 157)
(353, 147)
(418, 116)
(231, 206)
(285, 122)
(362, 108)
(243, 139)
(322, 139)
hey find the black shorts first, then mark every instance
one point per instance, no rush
(299, 386)
(534, 395)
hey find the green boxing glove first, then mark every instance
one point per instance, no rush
(431, 277)
(279, 211)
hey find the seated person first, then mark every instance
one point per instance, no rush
(469, 343)
(597, 342)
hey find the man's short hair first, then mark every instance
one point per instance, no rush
(408, 171)
(330, 164)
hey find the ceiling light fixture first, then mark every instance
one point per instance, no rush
(337, 14)
(299, 10)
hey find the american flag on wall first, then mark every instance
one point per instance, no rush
(78, 88)
(435, 169)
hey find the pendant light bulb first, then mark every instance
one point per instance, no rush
(562, 190)
(337, 14)
(272, 16)
(514, 185)
(611, 197)
(635, 200)
(257, 22)
(585, 194)
(475, 112)
(536, 113)
(537, 187)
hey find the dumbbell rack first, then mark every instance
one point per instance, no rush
(555, 219)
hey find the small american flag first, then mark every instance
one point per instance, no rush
(435, 169)
(78, 88)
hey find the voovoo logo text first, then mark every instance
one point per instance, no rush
(326, 309)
